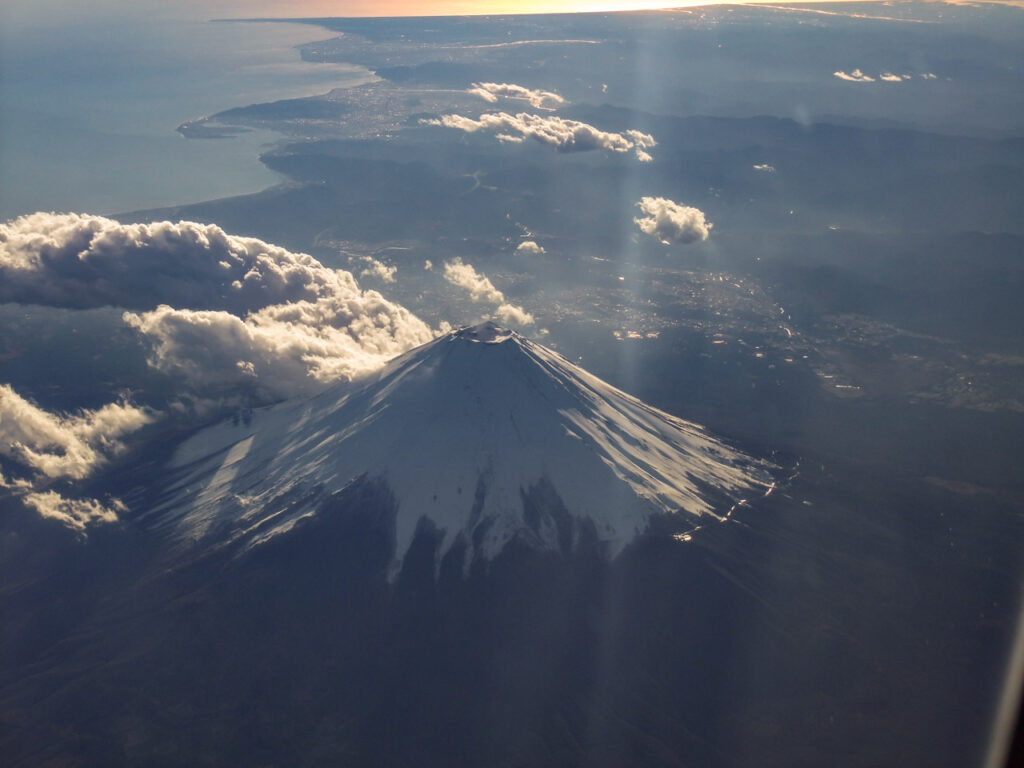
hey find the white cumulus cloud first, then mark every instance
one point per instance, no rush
(490, 92)
(560, 133)
(764, 168)
(671, 222)
(479, 286)
(510, 314)
(529, 246)
(283, 350)
(854, 77)
(481, 289)
(219, 310)
(79, 261)
(378, 269)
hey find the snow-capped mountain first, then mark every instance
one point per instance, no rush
(482, 432)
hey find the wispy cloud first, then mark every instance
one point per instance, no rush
(76, 514)
(53, 447)
(64, 446)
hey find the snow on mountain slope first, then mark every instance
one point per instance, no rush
(462, 430)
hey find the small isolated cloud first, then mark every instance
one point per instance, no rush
(463, 275)
(529, 246)
(564, 135)
(671, 222)
(67, 446)
(428, 265)
(642, 142)
(481, 289)
(510, 314)
(929, 76)
(889, 77)
(764, 168)
(854, 77)
(376, 268)
(490, 92)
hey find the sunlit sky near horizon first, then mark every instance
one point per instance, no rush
(57, 12)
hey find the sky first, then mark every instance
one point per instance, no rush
(45, 12)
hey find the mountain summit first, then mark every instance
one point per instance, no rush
(485, 434)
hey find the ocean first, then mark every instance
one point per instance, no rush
(88, 111)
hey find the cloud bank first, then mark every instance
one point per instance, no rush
(227, 316)
(564, 135)
(81, 261)
(671, 222)
(229, 319)
(283, 350)
(220, 311)
(481, 289)
(76, 514)
(490, 92)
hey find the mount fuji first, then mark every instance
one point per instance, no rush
(481, 437)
